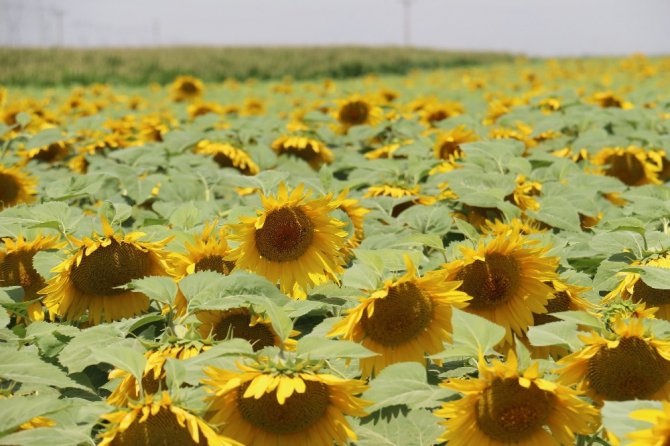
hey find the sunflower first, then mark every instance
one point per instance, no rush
(90, 278)
(227, 155)
(156, 421)
(388, 151)
(206, 253)
(311, 150)
(656, 435)
(633, 288)
(504, 406)
(433, 113)
(16, 268)
(524, 194)
(357, 110)
(629, 364)
(292, 241)
(448, 144)
(15, 187)
(632, 165)
(186, 88)
(409, 195)
(566, 298)
(50, 153)
(607, 99)
(514, 226)
(281, 407)
(356, 214)
(506, 279)
(240, 323)
(203, 108)
(153, 377)
(405, 320)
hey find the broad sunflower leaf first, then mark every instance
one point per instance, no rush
(52, 436)
(473, 334)
(653, 276)
(79, 353)
(124, 358)
(417, 428)
(404, 383)
(616, 416)
(160, 289)
(25, 366)
(17, 410)
(4, 318)
(315, 347)
(555, 333)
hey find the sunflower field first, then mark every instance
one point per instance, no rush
(467, 256)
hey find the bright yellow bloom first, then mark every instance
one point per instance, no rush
(504, 406)
(313, 151)
(259, 408)
(292, 241)
(227, 155)
(186, 88)
(405, 320)
(16, 187)
(634, 166)
(656, 435)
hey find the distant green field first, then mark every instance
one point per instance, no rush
(50, 67)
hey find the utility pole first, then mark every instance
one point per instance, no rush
(407, 21)
(59, 15)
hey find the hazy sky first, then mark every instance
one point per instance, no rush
(535, 27)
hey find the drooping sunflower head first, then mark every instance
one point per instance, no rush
(448, 144)
(50, 153)
(16, 187)
(276, 405)
(405, 320)
(357, 110)
(524, 194)
(186, 88)
(607, 99)
(207, 252)
(388, 151)
(633, 288)
(311, 150)
(153, 378)
(157, 421)
(632, 165)
(514, 226)
(293, 241)
(504, 406)
(240, 323)
(409, 195)
(92, 277)
(506, 279)
(627, 364)
(16, 267)
(226, 155)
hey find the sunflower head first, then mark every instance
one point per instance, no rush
(356, 214)
(632, 165)
(632, 288)
(153, 378)
(293, 241)
(607, 99)
(405, 320)
(273, 403)
(506, 280)
(658, 434)
(50, 153)
(629, 363)
(357, 110)
(448, 144)
(16, 268)
(92, 277)
(433, 113)
(158, 421)
(506, 406)
(15, 187)
(240, 323)
(227, 155)
(207, 252)
(311, 150)
(186, 88)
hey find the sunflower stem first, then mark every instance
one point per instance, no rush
(204, 183)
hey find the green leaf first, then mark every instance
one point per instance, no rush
(4, 318)
(466, 229)
(319, 348)
(361, 276)
(653, 276)
(418, 428)
(428, 219)
(580, 318)
(26, 367)
(616, 416)
(474, 334)
(44, 138)
(406, 384)
(17, 410)
(124, 358)
(79, 353)
(160, 289)
(186, 216)
(555, 333)
(52, 436)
